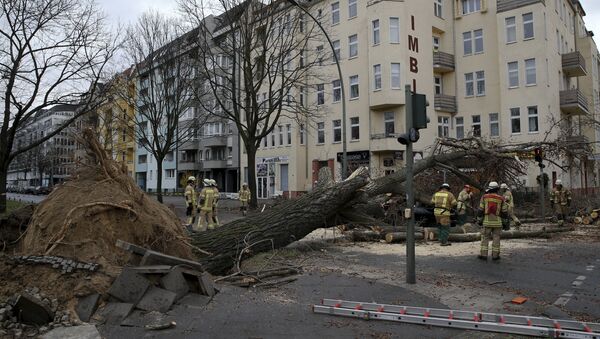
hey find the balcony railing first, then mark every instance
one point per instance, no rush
(577, 141)
(573, 64)
(214, 141)
(573, 102)
(444, 103)
(443, 62)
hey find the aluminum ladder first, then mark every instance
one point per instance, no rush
(468, 320)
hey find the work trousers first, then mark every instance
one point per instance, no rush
(444, 227)
(491, 233)
(561, 212)
(205, 214)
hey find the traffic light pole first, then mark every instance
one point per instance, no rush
(542, 193)
(410, 195)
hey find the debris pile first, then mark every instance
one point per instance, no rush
(64, 264)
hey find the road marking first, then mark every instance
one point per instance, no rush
(563, 299)
(590, 268)
(581, 277)
(578, 281)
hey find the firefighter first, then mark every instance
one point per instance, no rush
(493, 209)
(190, 200)
(244, 196)
(465, 198)
(206, 200)
(444, 201)
(510, 202)
(391, 207)
(213, 184)
(561, 199)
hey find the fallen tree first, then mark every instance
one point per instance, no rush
(332, 204)
(471, 237)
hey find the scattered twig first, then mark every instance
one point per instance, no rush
(163, 326)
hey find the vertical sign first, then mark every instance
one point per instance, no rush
(413, 46)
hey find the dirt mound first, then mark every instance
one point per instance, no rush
(13, 225)
(84, 217)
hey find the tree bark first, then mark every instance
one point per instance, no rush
(3, 176)
(251, 153)
(159, 167)
(277, 227)
(394, 237)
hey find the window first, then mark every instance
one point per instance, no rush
(272, 139)
(494, 125)
(388, 122)
(150, 175)
(142, 158)
(288, 129)
(354, 87)
(170, 173)
(469, 91)
(471, 6)
(337, 50)
(337, 131)
(280, 135)
(352, 9)
(353, 45)
(480, 75)
(301, 62)
(437, 83)
(530, 74)
(320, 55)
(395, 76)
(532, 114)
(394, 30)
(320, 94)
(467, 43)
(265, 142)
(437, 8)
(354, 129)
(515, 120)
(302, 96)
(337, 91)
(376, 35)
(528, 26)
(443, 127)
(320, 133)
(513, 74)
(302, 132)
(460, 128)
(511, 29)
(436, 43)
(335, 13)
(476, 125)
(478, 34)
(376, 77)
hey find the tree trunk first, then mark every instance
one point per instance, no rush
(364, 236)
(276, 227)
(159, 175)
(251, 153)
(3, 175)
(400, 236)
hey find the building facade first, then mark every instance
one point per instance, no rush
(508, 71)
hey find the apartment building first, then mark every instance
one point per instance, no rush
(51, 162)
(512, 71)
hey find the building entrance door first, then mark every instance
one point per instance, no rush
(262, 189)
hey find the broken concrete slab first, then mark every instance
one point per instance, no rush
(114, 313)
(152, 269)
(207, 284)
(157, 299)
(156, 258)
(175, 282)
(86, 306)
(30, 310)
(139, 318)
(129, 286)
(75, 332)
(194, 300)
(135, 249)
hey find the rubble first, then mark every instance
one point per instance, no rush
(64, 264)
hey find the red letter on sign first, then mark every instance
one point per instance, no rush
(413, 44)
(414, 65)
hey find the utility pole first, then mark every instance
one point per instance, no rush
(416, 118)
(539, 157)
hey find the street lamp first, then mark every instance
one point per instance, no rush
(337, 63)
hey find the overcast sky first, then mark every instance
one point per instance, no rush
(127, 11)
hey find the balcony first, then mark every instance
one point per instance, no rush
(573, 64)
(577, 142)
(444, 103)
(210, 164)
(573, 102)
(385, 142)
(443, 62)
(189, 166)
(214, 141)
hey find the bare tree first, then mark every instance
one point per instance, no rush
(164, 56)
(52, 52)
(258, 63)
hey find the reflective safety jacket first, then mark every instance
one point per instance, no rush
(208, 197)
(443, 201)
(244, 195)
(190, 195)
(508, 198)
(464, 200)
(493, 206)
(562, 196)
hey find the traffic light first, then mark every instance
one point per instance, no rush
(539, 154)
(420, 120)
